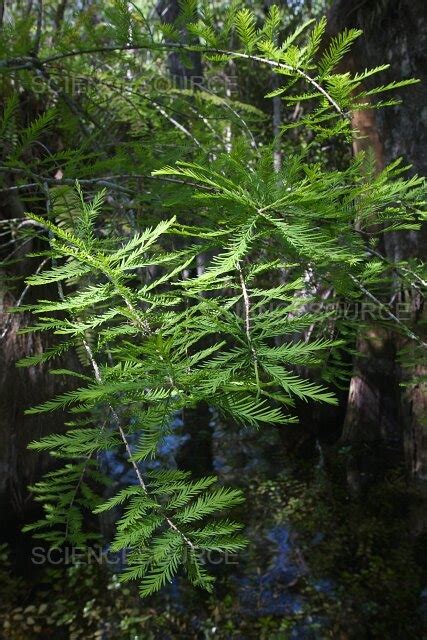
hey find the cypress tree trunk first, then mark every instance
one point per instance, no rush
(380, 413)
(21, 388)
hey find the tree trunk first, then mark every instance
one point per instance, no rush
(21, 388)
(186, 69)
(395, 32)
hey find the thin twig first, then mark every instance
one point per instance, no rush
(247, 314)
(19, 301)
(98, 378)
(26, 62)
(104, 181)
(390, 314)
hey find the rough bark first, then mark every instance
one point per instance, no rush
(21, 388)
(395, 32)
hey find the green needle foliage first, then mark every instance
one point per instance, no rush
(157, 334)
(158, 348)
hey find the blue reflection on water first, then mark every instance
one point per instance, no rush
(272, 590)
(270, 593)
(117, 468)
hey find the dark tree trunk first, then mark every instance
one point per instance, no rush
(380, 414)
(186, 69)
(21, 388)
